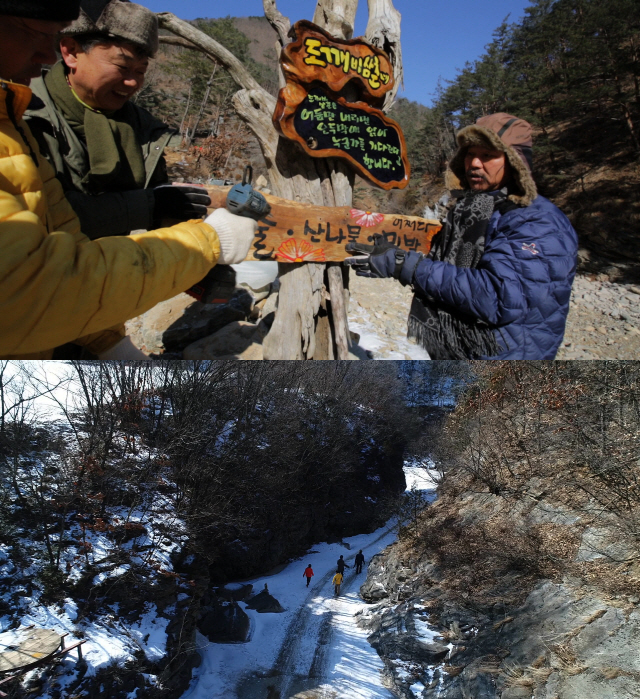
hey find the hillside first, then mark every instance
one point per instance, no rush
(157, 484)
(522, 579)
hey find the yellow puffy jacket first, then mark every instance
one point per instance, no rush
(56, 285)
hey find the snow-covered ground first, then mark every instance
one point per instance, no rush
(314, 645)
(351, 666)
(420, 477)
(326, 650)
(373, 342)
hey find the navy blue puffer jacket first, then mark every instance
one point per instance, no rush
(522, 284)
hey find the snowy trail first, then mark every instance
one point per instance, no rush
(303, 660)
(314, 649)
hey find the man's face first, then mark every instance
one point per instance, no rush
(107, 76)
(25, 46)
(486, 169)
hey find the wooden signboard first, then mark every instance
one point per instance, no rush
(311, 111)
(295, 232)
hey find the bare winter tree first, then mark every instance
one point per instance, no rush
(311, 320)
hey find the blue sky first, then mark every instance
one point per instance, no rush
(437, 37)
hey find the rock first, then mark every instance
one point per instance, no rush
(264, 603)
(238, 340)
(180, 321)
(225, 622)
(516, 693)
(235, 593)
(598, 542)
(403, 574)
(262, 182)
(374, 591)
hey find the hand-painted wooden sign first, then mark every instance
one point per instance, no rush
(295, 232)
(311, 111)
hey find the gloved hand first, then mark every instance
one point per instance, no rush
(179, 202)
(236, 234)
(382, 259)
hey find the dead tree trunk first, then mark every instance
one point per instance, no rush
(307, 324)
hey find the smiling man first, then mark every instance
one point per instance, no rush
(108, 153)
(497, 281)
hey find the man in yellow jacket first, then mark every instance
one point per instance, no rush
(56, 285)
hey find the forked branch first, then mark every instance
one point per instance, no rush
(278, 21)
(211, 47)
(383, 31)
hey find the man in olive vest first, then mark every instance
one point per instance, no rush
(108, 153)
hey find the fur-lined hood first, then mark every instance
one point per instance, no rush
(522, 189)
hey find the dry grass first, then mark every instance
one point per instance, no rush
(609, 577)
(530, 676)
(453, 670)
(497, 626)
(567, 659)
(494, 559)
(595, 616)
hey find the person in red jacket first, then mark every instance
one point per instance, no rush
(308, 573)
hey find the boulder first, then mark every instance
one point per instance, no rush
(238, 340)
(264, 603)
(173, 324)
(225, 622)
(373, 590)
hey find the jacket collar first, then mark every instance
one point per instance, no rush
(21, 99)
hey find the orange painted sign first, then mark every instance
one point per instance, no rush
(294, 232)
(311, 111)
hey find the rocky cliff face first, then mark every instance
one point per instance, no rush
(562, 637)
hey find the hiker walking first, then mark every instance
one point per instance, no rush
(308, 574)
(337, 581)
(359, 562)
(342, 565)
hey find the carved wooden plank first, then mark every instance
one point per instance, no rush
(317, 57)
(312, 109)
(295, 232)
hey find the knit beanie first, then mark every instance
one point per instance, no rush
(48, 10)
(117, 19)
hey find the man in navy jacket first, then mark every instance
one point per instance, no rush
(497, 281)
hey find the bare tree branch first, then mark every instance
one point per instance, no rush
(279, 22)
(212, 48)
(177, 41)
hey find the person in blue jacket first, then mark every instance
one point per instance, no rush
(496, 283)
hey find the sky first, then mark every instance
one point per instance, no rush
(437, 38)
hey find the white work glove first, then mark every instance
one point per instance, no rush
(236, 234)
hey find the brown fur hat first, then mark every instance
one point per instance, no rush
(117, 19)
(505, 133)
